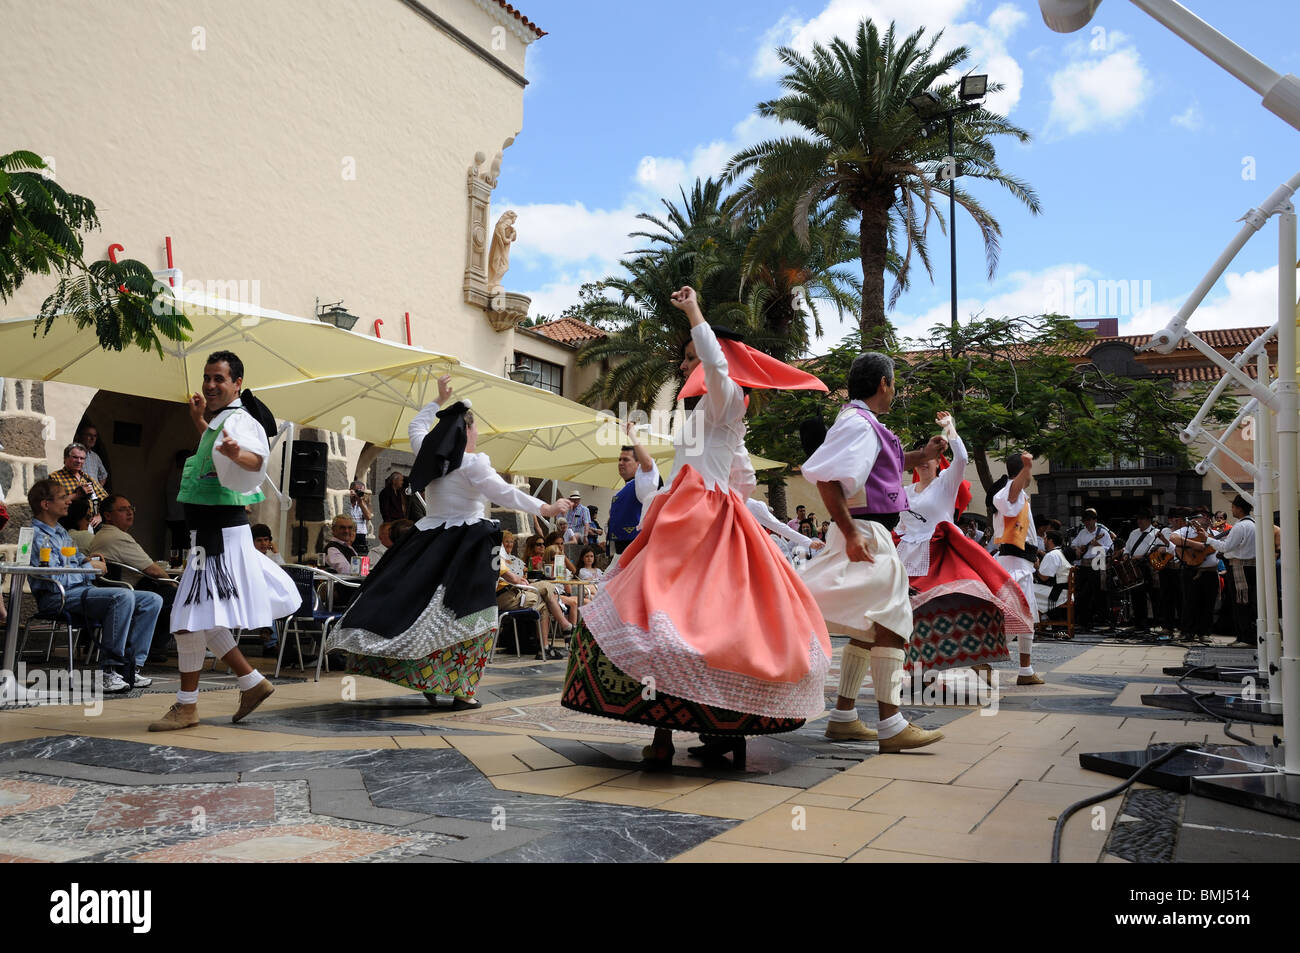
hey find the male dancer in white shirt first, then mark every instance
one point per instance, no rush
(1017, 542)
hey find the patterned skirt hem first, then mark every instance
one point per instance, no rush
(594, 685)
(455, 670)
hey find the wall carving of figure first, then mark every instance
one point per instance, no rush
(499, 254)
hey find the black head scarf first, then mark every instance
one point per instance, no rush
(443, 449)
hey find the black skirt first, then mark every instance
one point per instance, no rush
(435, 588)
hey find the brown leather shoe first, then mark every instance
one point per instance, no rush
(252, 698)
(909, 737)
(177, 717)
(850, 731)
(1034, 679)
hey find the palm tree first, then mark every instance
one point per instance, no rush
(864, 145)
(756, 282)
(39, 226)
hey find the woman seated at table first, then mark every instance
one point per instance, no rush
(77, 523)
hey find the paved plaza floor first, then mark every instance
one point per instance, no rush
(353, 769)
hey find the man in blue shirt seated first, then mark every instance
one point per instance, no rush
(127, 617)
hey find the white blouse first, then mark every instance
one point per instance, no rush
(767, 519)
(926, 509)
(248, 433)
(462, 496)
(713, 435)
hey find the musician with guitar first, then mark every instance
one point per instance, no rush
(1141, 543)
(1237, 547)
(1199, 576)
(1093, 542)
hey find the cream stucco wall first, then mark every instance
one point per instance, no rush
(303, 149)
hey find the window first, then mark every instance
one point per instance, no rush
(552, 375)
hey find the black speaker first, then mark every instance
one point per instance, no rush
(309, 511)
(307, 471)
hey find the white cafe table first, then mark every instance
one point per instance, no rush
(11, 693)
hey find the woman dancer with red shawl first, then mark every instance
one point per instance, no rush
(704, 626)
(965, 604)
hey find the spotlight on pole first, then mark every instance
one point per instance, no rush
(1066, 16)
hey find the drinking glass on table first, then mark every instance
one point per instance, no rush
(67, 551)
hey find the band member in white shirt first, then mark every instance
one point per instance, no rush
(1093, 543)
(1141, 543)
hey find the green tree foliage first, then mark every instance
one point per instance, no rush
(1010, 384)
(863, 145)
(40, 226)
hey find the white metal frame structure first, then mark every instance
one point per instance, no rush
(1275, 405)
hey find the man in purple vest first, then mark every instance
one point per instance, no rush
(858, 580)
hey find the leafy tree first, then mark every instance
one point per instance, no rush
(40, 224)
(1010, 383)
(863, 144)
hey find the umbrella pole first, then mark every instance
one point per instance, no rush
(286, 448)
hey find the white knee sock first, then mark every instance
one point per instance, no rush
(886, 728)
(188, 698)
(1026, 646)
(189, 652)
(220, 640)
(887, 674)
(245, 682)
(854, 665)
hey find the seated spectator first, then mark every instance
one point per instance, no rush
(399, 529)
(382, 543)
(88, 436)
(77, 523)
(553, 550)
(73, 478)
(265, 543)
(115, 544)
(567, 533)
(534, 554)
(595, 531)
(511, 576)
(587, 570)
(128, 617)
(338, 551)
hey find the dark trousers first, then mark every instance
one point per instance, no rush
(1243, 614)
(1143, 598)
(1090, 602)
(1200, 585)
(1171, 597)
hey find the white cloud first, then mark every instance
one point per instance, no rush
(662, 176)
(1079, 290)
(987, 41)
(1190, 118)
(1249, 299)
(1092, 92)
(570, 235)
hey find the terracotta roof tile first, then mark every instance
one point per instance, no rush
(521, 18)
(1226, 340)
(569, 331)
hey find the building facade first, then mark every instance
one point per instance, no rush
(286, 155)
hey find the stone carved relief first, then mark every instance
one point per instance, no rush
(487, 260)
(499, 256)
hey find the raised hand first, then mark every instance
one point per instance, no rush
(684, 298)
(444, 390)
(935, 448)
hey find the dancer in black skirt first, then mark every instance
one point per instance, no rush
(426, 616)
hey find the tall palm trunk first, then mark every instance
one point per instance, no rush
(873, 242)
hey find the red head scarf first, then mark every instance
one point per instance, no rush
(963, 491)
(751, 368)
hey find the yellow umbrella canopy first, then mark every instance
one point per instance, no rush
(377, 405)
(275, 348)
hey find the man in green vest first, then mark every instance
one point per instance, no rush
(228, 584)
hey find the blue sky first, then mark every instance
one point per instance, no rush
(1144, 153)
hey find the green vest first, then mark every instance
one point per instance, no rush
(199, 481)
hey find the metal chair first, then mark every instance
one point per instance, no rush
(514, 617)
(306, 579)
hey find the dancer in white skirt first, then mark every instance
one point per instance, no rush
(228, 584)
(858, 580)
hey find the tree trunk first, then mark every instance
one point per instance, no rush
(873, 244)
(776, 499)
(979, 454)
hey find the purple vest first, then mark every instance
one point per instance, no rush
(884, 486)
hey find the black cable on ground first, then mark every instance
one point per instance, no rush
(1105, 795)
(1227, 722)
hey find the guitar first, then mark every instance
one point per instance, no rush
(1191, 557)
(1161, 558)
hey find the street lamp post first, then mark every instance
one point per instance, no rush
(928, 108)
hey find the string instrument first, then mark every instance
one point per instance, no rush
(1191, 557)
(1161, 558)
